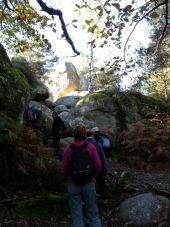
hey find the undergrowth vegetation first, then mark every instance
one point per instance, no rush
(145, 143)
(27, 165)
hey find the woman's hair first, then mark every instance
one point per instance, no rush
(80, 132)
(89, 133)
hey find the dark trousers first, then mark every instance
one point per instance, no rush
(56, 144)
(101, 185)
(107, 152)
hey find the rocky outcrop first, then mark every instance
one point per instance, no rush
(44, 121)
(68, 101)
(39, 91)
(111, 111)
(15, 93)
(105, 109)
(63, 80)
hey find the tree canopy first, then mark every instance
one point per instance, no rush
(111, 24)
(111, 18)
(20, 21)
(22, 25)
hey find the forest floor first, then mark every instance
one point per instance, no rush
(122, 182)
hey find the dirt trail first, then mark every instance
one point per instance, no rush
(122, 182)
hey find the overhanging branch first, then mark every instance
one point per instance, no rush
(146, 14)
(166, 22)
(58, 13)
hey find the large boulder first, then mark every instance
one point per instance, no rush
(61, 108)
(113, 111)
(44, 121)
(68, 100)
(63, 80)
(40, 91)
(143, 210)
(15, 93)
(105, 109)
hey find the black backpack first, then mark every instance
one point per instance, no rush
(81, 164)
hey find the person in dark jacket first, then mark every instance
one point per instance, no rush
(56, 132)
(104, 140)
(30, 115)
(100, 180)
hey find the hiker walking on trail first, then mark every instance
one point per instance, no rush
(30, 115)
(80, 165)
(100, 180)
(56, 132)
(104, 141)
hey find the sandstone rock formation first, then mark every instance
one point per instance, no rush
(62, 81)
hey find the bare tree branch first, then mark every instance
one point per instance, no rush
(58, 12)
(87, 5)
(166, 22)
(146, 14)
(7, 6)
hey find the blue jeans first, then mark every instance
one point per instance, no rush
(78, 195)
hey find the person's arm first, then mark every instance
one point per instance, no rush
(65, 162)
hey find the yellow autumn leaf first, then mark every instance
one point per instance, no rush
(91, 21)
(26, 12)
(17, 7)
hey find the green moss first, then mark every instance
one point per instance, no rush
(43, 206)
(16, 92)
(100, 98)
(97, 99)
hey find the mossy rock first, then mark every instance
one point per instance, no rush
(15, 93)
(114, 111)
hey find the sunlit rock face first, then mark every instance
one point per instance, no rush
(62, 81)
(15, 93)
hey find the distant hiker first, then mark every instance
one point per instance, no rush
(104, 141)
(100, 180)
(30, 115)
(56, 132)
(80, 165)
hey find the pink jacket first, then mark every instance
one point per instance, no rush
(67, 156)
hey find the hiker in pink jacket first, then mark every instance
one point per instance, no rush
(80, 193)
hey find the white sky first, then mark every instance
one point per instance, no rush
(80, 37)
